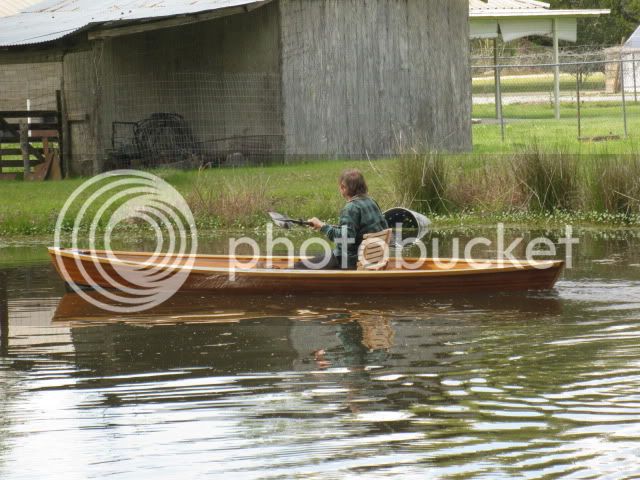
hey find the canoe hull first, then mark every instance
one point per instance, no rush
(206, 275)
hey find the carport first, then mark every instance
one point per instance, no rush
(515, 19)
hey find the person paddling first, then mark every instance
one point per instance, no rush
(361, 215)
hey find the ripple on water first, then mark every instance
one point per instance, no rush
(529, 386)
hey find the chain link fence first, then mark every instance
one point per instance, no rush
(589, 95)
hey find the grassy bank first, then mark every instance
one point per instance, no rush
(541, 175)
(533, 188)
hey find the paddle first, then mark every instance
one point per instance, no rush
(286, 222)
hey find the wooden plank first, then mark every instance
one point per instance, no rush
(45, 134)
(5, 126)
(32, 138)
(27, 113)
(42, 170)
(24, 146)
(392, 281)
(10, 149)
(14, 152)
(55, 173)
(18, 163)
(56, 167)
(37, 125)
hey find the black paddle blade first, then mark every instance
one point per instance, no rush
(285, 222)
(280, 220)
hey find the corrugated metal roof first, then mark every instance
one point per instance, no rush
(524, 8)
(54, 19)
(506, 4)
(11, 7)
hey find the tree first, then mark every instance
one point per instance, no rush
(605, 30)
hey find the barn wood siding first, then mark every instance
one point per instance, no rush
(222, 76)
(375, 76)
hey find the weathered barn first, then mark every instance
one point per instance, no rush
(204, 80)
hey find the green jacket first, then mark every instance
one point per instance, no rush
(360, 216)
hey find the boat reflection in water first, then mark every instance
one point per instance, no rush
(264, 341)
(288, 330)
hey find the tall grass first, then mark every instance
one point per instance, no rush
(229, 202)
(548, 179)
(613, 184)
(420, 182)
(489, 187)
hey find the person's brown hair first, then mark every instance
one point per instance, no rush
(354, 182)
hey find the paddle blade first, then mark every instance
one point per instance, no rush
(280, 220)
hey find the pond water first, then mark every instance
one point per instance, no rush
(526, 385)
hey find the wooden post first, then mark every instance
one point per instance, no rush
(635, 77)
(495, 74)
(578, 82)
(24, 147)
(624, 100)
(499, 104)
(65, 139)
(556, 60)
(4, 316)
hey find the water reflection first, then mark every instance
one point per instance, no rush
(528, 385)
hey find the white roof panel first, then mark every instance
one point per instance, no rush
(11, 7)
(54, 19)
(524, 8)
(634, 40)
(475, 5)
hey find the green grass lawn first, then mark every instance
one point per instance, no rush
(528, 123)
(302, 190)
(536, 83)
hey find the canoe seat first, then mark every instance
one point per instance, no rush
(374, 251)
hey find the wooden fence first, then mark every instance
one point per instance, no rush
(31, 142)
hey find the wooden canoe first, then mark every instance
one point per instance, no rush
(212, 273)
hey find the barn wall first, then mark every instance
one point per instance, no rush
(37, 82)
(222, 76)
(80, 87)
(375, 76)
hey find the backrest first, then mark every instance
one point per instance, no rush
(374, 251)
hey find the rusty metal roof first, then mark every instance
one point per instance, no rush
(11, 7)
(51, 20)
